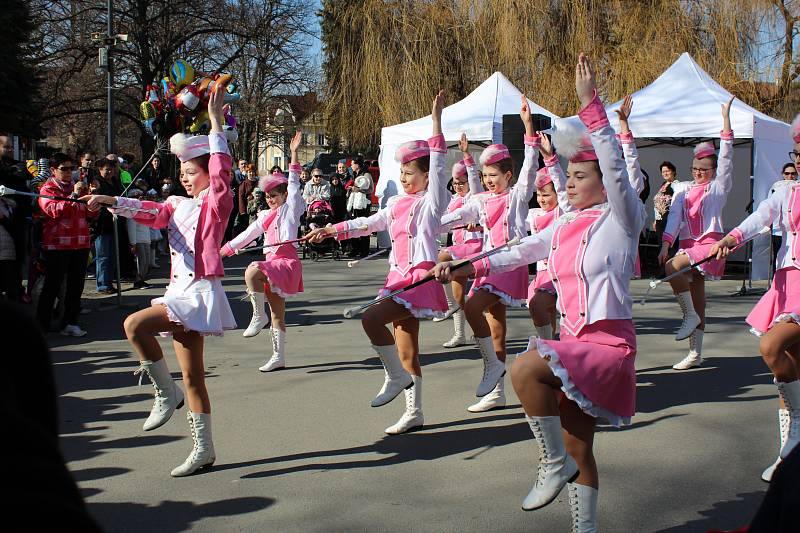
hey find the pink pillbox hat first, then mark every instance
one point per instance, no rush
(267, 183)
(459, 169)
(795, 129)
(411, 150)
(542, 178)
(704, 149)
(187, 147)
(494, 153)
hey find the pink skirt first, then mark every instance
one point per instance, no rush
(284, 272)
(699, 250)
(468, 249)
(511, 287)
(541, 282)
(781, 303)
(596, 368)
(426, 301)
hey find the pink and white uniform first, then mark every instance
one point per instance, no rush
(503, 218)
(413, 221)
(781, 303)
(465, 243)
(195, 297)
(697, 211)
(539, 220)
(281, 264)
(595, 357)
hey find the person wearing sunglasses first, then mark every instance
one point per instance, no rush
(65, 244)
(317, 188)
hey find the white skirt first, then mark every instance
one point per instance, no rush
(202, 306)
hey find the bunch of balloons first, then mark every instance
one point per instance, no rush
(179, 103)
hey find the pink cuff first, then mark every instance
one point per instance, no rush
(594, 115)
(668, 239)
(551, 161)
(342, 231)
(736, 233)
(469, 162)
(437, 144)
(535, 141)
(482, 267)
(227, 250)
(295, 167)
(626, 138)
(726, 135)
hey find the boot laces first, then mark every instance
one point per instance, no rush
(574, 506)
(141, 371)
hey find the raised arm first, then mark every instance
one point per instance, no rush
(437, 196)
(294, 200)
(525, 186)
(724, 180)
(556, 172)
(219, 198)
(629, 150)
(622, 197)
(473, 177)
(469, 213)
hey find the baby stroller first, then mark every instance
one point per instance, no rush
(319, 215)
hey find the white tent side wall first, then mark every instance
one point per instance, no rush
(771, 151)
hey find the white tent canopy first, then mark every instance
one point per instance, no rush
(479, 115)
(684, 102)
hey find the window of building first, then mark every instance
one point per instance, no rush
(321, 139)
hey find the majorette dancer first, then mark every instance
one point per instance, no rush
(413, 221)
(280, 274)
(551, 195)
(467, 241)
(501, 211)
(589, 373)
(195, 304)
(776, 317)
(697, 212)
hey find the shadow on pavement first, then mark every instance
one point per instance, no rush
(727, 515)
(719, 380)
(170, 516)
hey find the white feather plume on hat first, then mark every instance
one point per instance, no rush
(571, 138)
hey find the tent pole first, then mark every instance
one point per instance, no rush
(748, 261)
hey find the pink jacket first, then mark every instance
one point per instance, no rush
(214, 211)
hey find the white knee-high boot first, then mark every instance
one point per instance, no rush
(168, 395)
(395, 380)
(690, 318)
(790, 392)
(493, 368)
(202, 454)
(494, 400)
(277, 360)
(412, 416)
(260, 317)
(695, 356)
(556, 467)
(783, 434)
(459, 324)
(583, 508)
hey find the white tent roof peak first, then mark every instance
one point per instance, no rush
(476, 115)
(685, 102)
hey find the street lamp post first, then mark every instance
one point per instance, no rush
(106, 63)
